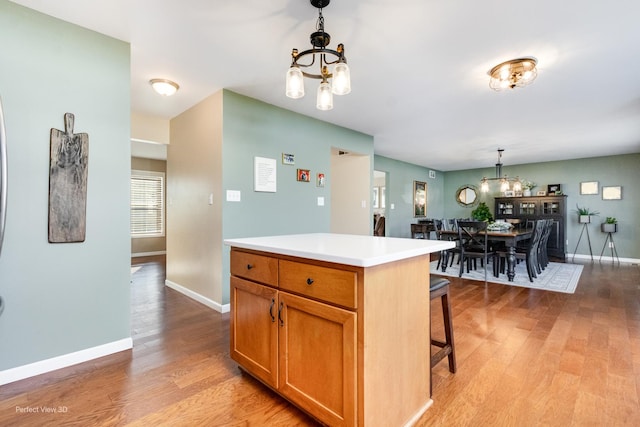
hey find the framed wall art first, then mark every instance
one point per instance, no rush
(264, 175)
(612, 193)
(589, 187)
(553, 189)
(304, 175)
(320, 180)
(288, 159)
(419, 199)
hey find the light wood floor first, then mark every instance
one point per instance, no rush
(525, 358)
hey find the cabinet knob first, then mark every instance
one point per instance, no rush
(309, 281)
(249, 266)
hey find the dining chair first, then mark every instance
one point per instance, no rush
(529, 254)
(473, 244)
(543, 257)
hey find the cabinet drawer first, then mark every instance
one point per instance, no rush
(254, 267)
(321, 283)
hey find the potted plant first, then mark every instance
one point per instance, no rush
(610, 225)
(527, 186)
(585, 214)
(482, 213)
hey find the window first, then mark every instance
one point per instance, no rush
(147, 204)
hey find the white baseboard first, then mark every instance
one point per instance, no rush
(596, 258)
(59, 362)
(141, 254)
(220, 308)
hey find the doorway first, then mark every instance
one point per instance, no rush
(379, 203)
(350, 193)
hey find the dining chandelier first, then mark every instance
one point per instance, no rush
(505, 181)
(336, 81)
(513, 73)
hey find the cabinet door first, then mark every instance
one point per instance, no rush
(317, 344)
(254, 329)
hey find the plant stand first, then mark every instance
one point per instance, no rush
(584, 227)
(612, 245)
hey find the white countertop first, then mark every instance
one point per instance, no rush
(360, 251)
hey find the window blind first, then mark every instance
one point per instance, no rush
(147, 203)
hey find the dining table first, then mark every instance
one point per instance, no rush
(510, 238)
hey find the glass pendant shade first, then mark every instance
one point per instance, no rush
(341, 84)
(504, 185)
(325, 97)
(484, 185)
(517, 185)
(295, 83)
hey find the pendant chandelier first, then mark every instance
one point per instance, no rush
(505, 181)
(513, 73)
(336, 81)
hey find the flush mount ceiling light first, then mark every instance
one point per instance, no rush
(336, 81)
(505, 181)
(164, 87)
(514, 73)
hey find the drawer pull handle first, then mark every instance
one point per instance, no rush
(280, 314)
(273, 302)
(249, 266)
(309, 281)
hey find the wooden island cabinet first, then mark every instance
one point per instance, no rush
(336, 324)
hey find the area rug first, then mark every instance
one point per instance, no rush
(557, 277)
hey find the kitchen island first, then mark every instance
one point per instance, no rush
(336, 324)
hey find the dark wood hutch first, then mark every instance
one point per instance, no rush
(538, 207)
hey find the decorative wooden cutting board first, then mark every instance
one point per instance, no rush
(68, 168)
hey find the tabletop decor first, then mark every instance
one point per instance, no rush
(482, 213)
(527, 186)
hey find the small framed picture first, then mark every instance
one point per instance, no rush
(590, 187)
(612, 193)
(518, 193)
(304, 175)
(432, 174)
(419, 198)
(509, 193)
(320, 180)
(541, 193)
(288, 159)
(554, 189)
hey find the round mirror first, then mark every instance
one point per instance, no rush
(467, 195)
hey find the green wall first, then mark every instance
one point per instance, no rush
(623, 170)
(399, 192)
(255, 129)
(63, 298)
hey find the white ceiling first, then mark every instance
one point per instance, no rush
(418, 69)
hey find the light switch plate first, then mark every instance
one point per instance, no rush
(320, 201)
(233, 196)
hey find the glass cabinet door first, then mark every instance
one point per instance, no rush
(527, 208)
(505, 208)
(551, 208)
